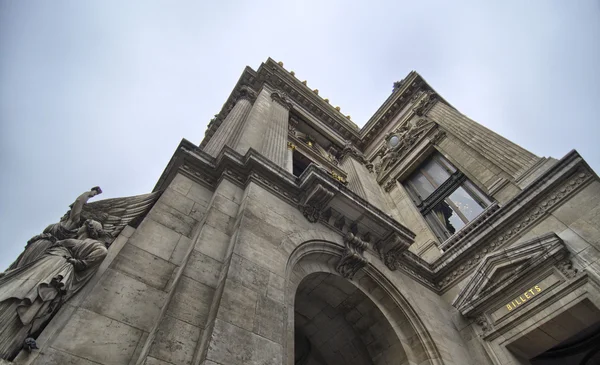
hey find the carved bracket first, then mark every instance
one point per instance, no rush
(353, 258)
(314, 203)
(391, 249)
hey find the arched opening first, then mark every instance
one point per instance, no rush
(332, 320)
(336, 323)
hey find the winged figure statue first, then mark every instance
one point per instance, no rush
(59, 262)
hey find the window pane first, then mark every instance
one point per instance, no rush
(436, 172)
(465, 203)
(447, 218)
(422, 185)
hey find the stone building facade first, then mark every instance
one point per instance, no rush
(291, 236)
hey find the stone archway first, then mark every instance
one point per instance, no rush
(336, 323)
(401, 336)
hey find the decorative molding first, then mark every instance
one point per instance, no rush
(282, 99)
(425, 103)
(350, 150)
(246, 93)
(314, 203)
(567, 269)
(353, 258)
(513, 231)
(483, 323)
(503, 272)
(391, 250)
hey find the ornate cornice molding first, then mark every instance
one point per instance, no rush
(246, 93)
(281, 98)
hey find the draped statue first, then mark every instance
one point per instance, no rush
(58, 263)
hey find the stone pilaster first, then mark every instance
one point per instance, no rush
(274, 146)
(360, 179)
(231, 126)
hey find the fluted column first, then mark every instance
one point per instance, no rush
(227, 132)
(290, 157)
(274, 146)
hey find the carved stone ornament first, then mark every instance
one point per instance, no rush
(389, 185)
(566, 267)
(281, 98)
(425, 104)
(58, 263)
(483, 323)
(350, 149)
(391, 249)
(352, 258)
(246, 93)
(315, 202)
(438, 136)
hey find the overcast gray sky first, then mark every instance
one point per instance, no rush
(101, 92)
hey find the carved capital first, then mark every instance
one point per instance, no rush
(350, 149)
(352, 258)
(246, 93)
(314, 203)
(282, 99)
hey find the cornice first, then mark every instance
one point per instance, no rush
(300, 94)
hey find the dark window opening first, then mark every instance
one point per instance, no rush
(445, 197)
(300, 163)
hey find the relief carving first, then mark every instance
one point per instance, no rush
(566, 267)
(315, 203)
(58, 263)
(352, 258)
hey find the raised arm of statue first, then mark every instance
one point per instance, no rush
(77, 206)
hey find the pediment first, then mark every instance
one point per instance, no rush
(501, 271)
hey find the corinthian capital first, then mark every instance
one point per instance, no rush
(246, 93)
(281, 98)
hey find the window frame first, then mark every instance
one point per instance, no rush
(441, 193)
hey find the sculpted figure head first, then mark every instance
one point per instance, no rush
(90, 229)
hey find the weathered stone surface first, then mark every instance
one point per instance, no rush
(126, 300)
(155, 238)
(203, 269)
(238, 305)
(173, 219)
(192, 302)
(235, 346)
(213, 243)
(144, 266)
(175, 341)
(98, 338)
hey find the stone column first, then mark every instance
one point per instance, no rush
(274, 146)
(290, 157)
(227, 132)
(254, 128)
